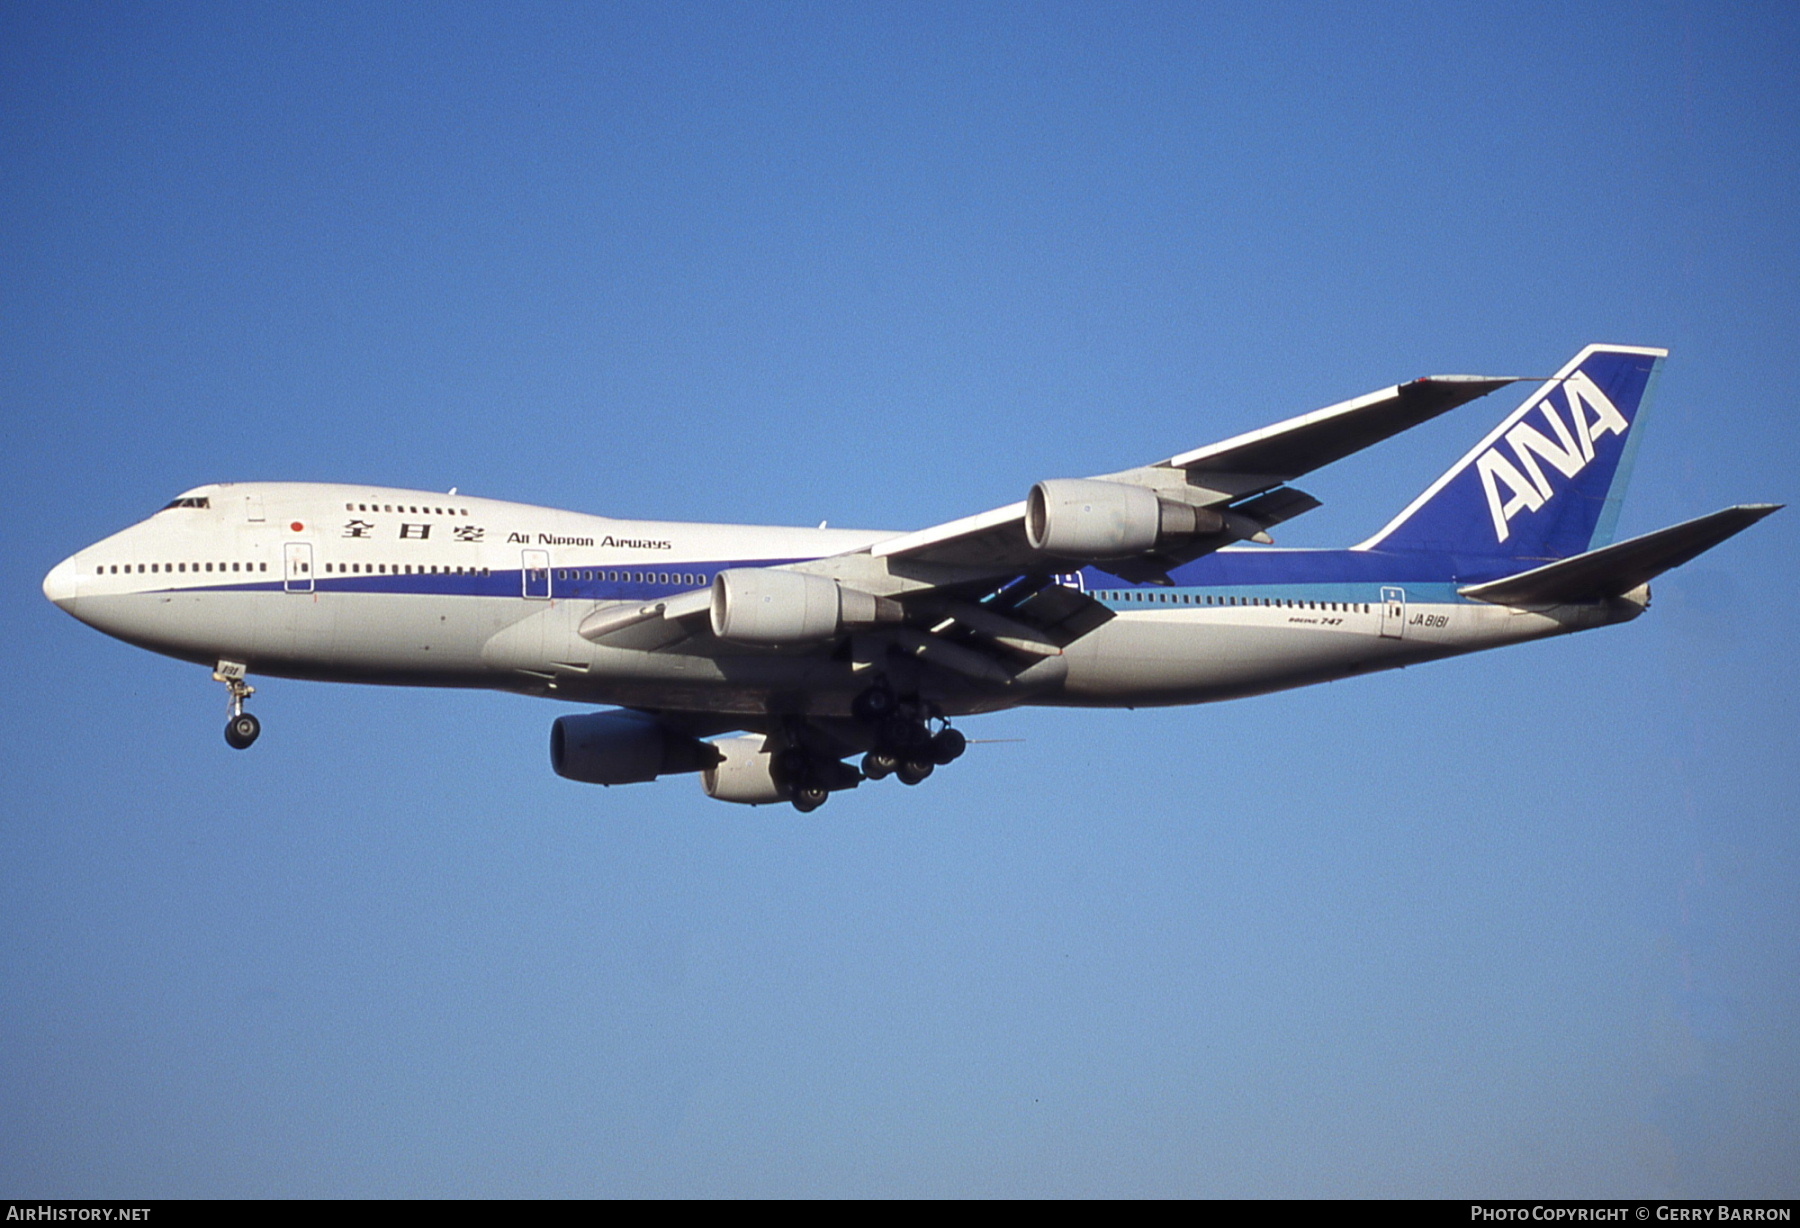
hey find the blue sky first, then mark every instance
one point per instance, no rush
(1521, 923)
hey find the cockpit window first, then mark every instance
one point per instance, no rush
(202, 501)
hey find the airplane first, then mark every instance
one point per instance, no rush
(1156, 585)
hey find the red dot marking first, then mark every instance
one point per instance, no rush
(296, 526)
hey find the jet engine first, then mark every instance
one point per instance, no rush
(744, 773)
(761, 605)
(1084, 519)
(622, 748)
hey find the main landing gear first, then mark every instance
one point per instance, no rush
(242, 729)
(906, 745)
(911, 739)
(811, 779)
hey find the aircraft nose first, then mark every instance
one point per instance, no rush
(62, 583)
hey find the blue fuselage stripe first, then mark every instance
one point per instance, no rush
(1344, 576)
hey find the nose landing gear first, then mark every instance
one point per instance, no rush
(242, 729)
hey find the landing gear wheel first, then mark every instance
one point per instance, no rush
(241, 730)
(878, 764)
(948, 746)
(914, 771)
(808, 798)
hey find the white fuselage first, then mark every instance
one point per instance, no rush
(363, 584)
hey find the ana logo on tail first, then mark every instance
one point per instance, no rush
(1590, 415)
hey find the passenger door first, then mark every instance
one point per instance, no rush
(297, 572)
(534, 573)
(1393, 612)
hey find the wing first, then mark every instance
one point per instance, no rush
(1242, 478)
(978, 598)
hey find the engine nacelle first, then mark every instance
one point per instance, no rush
(744, 773)
(622, 748)
(1084, 519)
(762, 605)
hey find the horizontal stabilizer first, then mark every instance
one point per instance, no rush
(1612, 571)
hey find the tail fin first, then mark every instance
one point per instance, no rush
(1547, 482)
